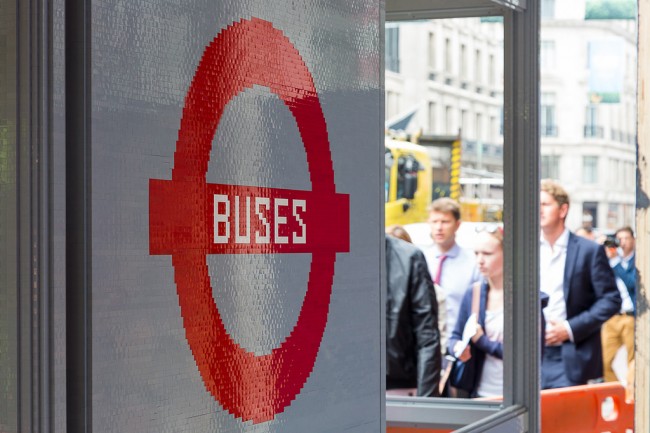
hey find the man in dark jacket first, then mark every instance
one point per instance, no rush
(412, 337)
(575, 274)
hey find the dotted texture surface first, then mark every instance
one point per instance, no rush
(148, 375)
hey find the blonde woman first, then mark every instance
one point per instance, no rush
(487, 344)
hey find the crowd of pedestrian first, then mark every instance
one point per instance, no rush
(445, 308)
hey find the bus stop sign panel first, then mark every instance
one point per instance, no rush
(189, 218)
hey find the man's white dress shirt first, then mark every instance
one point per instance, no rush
(551, 278)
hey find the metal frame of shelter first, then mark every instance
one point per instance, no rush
(29, 218)
(520, 410)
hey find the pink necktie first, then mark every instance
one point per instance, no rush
(439, 273)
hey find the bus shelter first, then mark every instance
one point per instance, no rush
(520, 409)
(58, 104)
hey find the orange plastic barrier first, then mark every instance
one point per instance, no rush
(596, 408)
(588, 408)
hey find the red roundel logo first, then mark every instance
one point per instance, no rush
(189, 218)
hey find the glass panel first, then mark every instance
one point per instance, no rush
(459, 159)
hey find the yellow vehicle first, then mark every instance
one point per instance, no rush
(408, 182)
(485, 210)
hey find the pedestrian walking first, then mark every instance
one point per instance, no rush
(575, 274)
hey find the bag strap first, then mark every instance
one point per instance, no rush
(476, 301)
(476, 298)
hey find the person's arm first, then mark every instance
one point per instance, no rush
(607, 298)
(424, 309)
(481, 342)
(494, 348)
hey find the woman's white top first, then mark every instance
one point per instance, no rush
(491, 383)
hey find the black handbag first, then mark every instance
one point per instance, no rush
(463, 375)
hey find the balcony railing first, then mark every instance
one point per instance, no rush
(593, 131)
(622, 137)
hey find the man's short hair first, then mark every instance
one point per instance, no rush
(556, 191)
(625, 229)
(445, 205)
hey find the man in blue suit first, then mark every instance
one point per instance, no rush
(575, 274)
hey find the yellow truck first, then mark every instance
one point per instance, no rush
(413, 181)
(408, 182)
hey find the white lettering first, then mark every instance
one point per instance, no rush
(221, 219)
(266, 238)
(275, 220)
(302, 238)
(245, 239)
(280, 220)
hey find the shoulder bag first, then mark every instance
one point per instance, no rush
(463, 374)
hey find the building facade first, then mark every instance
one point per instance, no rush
(448, 76)
(587, 113)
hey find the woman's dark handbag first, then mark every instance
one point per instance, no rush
(463, 374)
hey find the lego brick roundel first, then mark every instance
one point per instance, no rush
(235, 197)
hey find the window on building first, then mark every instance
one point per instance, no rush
(592, 129)
(547, 125)
(592, 114)
(448, 67)
(478, 129)
(613, 216)
(491, 71)
(590, 213)
(432, 117)
(493, 129)
(432, 50)
(477, 67)
(463, 62)
(550, 166)
(449, 120)
(589, 169)
(392, 48)
(547, 55)
(464, 122)
(548, 9)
